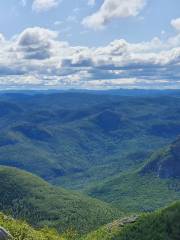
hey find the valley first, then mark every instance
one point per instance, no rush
(73, 162)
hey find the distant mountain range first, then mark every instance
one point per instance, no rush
(74, 139)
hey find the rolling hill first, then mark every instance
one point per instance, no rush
(27, 197)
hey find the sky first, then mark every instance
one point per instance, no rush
(89, 44)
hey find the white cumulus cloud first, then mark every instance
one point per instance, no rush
(36, 43)
(113, 9)
(36, 58)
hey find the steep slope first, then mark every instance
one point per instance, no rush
(154, 185)
(133, 192)
(161, 225)
(30, 198)
(165, 163)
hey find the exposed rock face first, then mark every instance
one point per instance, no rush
(165, 164)
(123, 222)
(5, 235)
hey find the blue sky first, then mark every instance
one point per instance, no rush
(96, 44)
(151, 21)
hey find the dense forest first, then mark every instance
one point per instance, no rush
(90, 165)
(161, 225)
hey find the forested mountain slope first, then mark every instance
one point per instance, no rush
(154, 185)
(161, 225)
(25, 196)
(74, 139)
(165, 163)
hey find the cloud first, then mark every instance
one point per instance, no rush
(176, 24)
(36, 43)
(44, 5)
(36, 58)
(111, 9)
